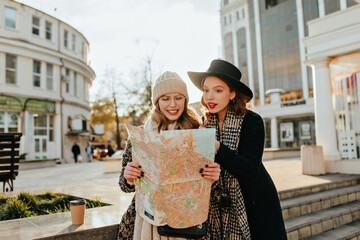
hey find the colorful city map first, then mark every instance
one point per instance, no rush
(172, 190)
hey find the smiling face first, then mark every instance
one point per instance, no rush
(172, 106)
(216, 95)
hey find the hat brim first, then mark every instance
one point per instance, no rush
(197, 77)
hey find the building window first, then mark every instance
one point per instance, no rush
(237, 15)
(243, 13)
(226, 2)
(350, 3)
(310, 11)
(36, 73)
(10, 17)
(49, 77)
(332, 6)
(48, 30)
(9, 122)
(75, 84)
(73, 42)
(51, 128)
(230, 19)
(229, 50)
(66, 38)
(36, 26)
(225, 23)
(11, 65)
(67, 80)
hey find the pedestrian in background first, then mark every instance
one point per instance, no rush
(170, 111)
(245, 203)
(89, 149)
(76, 151)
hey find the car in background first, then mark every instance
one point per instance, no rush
(118, 154)
(101, 147)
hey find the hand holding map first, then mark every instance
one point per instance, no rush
(172, 191)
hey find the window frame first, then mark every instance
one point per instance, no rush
(8, 69)
(36, 74)
(48, 31)
(36, 27)
(73, 42)
(66, 38)
(49, 78)
(10, 19)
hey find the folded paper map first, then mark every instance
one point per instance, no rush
(172, 190)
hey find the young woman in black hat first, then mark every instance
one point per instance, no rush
(244, 203)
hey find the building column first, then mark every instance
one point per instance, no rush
(321, 5)
(235, 46)
(324, 112)
(274, 133)
(259, 52)
(248, 51)
(300, 21)
(343, 4)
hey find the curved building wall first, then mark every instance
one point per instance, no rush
(44, 82)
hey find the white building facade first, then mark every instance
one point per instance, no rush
(265, 39)
(44, 82)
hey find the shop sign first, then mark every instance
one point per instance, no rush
(30, 104)
(293, 103)
(305, 130)
(286, 132)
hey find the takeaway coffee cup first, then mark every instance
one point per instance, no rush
(77, 208)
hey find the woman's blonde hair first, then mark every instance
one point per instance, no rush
(238, 104)
(189, 119)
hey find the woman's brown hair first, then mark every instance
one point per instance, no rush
(238, 104)
(189, 119)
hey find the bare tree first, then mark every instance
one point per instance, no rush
(111, 85)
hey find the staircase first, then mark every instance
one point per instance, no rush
(323, 212)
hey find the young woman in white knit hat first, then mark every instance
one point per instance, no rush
(170, 111)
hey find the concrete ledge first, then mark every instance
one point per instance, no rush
(348, 166)
(277, 153)
(112, 165)
(37, 163)
(107, 232)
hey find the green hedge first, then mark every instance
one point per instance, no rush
(28, 205)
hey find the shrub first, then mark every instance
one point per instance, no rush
(26, 205)
(15, 208)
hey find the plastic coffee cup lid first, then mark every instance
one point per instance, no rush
(77, 202)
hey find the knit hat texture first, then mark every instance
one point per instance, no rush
(168, 82)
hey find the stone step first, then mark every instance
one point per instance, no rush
(316, 223)
(311, 203)
(349, 231)
(347, 180)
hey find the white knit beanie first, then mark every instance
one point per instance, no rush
(168, 82)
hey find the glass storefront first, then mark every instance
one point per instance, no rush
(345, 80)
(9, 122)
(292, 132)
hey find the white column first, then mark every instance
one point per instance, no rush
(259, 52)
(235, 47)
(274, 133)
(300, 20)
(324, 112)
(321, 5)
(343, 4)
(248, 51)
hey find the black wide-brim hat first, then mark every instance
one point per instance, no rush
(226, 72)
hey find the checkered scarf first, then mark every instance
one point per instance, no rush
(230, 222)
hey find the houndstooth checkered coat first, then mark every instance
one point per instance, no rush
(262, 204)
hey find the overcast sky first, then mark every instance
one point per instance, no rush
(184, 33)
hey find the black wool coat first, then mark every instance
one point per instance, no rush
(259, 192)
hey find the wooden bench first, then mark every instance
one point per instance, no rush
(9, 159)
